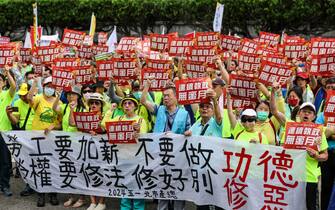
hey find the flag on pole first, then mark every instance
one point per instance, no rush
(93, 24)
(27, 41)
(217, 23)
(112, 41)
(35, 27)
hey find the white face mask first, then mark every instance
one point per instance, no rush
(30, 82)
(48, 91)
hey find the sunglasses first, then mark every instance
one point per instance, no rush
(95, 103)
(87, 91)
(244, 120)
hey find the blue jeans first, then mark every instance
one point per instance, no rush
(5, 163)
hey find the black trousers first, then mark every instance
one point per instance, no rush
(327, 179)
(312, 196)
(5, 163)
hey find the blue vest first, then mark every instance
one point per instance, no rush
(179, 122)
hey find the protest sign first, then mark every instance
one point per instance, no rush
(159, 42)
(230, 43)
(127, 45)
(25, 55)
(296, 50)
(249, 63)
(4, 40)
(7, 54)
(123, 68)
(73, 38)
(87, 121)
(243, 87)
(322, 65)
(329, 109)
(83, 75)
(269, 38)
(102, 38)
(66, 62)
(85, 52)
(158, 77)
(191, 91)
(105, 70)
(158, 64)
(195, 69)
(180, 46)
(322, 46)
(273, 72)
(208, 39)
(249, 46)
(120, 132)
(46, 54)
(62, 78)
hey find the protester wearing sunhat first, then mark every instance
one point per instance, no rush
(44, 119)
(99, 87)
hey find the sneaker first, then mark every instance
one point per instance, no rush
(6, 192)
(79, 203)
(69, 202)
(27, 191)
(53, 199)
(100, 206)
(41, 200)
(92, 206)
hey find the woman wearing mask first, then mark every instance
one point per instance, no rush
(294, 100)
(46, 119)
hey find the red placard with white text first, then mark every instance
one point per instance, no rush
(159, 42)
(25, 54)
(249, 46)
(295, 50)
(202, 54)
(4, 40)
(99, 49)
(73, 38)
(207, 39)
(180, 46)
(330, 122)
(275, 58)
(329, 109)
(7, 54)
(292, 39)
(120, 132)
(62, 78)
(127, 45)
(143, 46)
(243, 87)
(159, 64)
(249, 63)
(302, 135)
(66, 62)
(238, 103)
(87, 121)
(102, 38)
(85, 52)
(230, 43)
(195, 69)
(191, 91)
(265, 50)
(322, 65)
(123, 68)
(272, 72)
(83, 74)
(105, 70)
(155, 55)
(269, 38)
(321, 46)
(47, 54)
(159, 78)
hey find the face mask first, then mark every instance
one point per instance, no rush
(292, 101)
(262, 116)
(49, 91)
(30, 82)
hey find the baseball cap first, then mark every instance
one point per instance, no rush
(249, 112)
(307, 104)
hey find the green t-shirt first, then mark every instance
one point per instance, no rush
(240, 134)
(313, 170)
(23, 111)
(5, 100)
(65, 112)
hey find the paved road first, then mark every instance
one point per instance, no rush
(16, 202)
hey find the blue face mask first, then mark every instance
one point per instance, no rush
(262, 116)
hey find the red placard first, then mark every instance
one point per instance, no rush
(269, 38)
(195, 69)
(266, 50)
(83, 74)
(4, 40)
(99, 49)
(249, 46)
(249, 63)
(159, 64)
(102, 38)
(295, 50)
(329, 110)
(154, 55)
(123, 68)
(73, 38)
(180, 46)
(292, 39)
(238, 103)
(143, 47)
(87, 121)
(161, 77)
(302, 135)
(322, 65)
(105, 70)
(62, 78)
(46, 54)
(203, 54)
(273, 72)
(6, 55)
(159, 42)
(120, 132)
(207, 39)
(127, 45)
(66, 62)
(230, 43)
(85, 52)
(330, 122)
(322, 46)
(243, 87)
(275, 58)
(25, 55)
(191, 91)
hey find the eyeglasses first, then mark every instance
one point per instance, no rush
(95, 103)
(244, 120)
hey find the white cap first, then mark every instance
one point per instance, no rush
(96, 96)
(47, 80)
(249, 112)
(307, 104)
